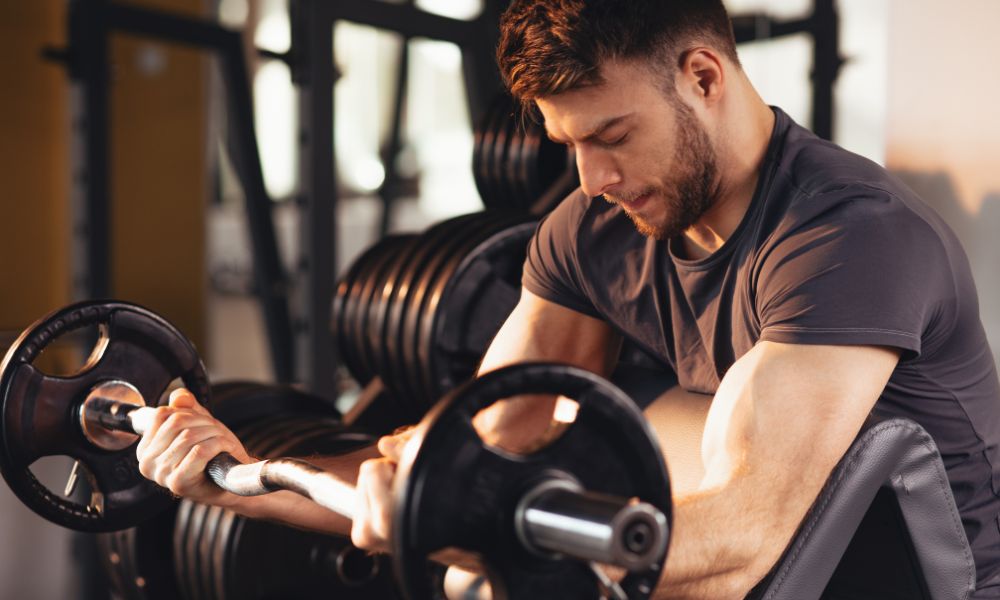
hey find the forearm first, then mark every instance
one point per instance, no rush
(712, 549)
(295, 510)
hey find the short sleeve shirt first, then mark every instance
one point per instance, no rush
(832, 250)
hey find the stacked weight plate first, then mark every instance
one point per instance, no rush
(513, 161)
(419, 311)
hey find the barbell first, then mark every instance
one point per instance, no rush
(598, 493)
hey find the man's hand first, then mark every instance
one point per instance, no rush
(372, 526)
(181, 439)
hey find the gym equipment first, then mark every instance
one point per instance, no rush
(419, 311)
(515, 165)
(552, 514)
(39, 411)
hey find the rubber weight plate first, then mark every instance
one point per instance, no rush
(38, 410)
(416, 340)
(474, 303)
(459, 492)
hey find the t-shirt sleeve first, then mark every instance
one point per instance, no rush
(860, 269)
(552, 267)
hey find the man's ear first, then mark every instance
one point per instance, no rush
(701, 75)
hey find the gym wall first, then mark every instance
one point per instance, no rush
(943, 134)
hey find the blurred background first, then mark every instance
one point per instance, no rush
(143, 142)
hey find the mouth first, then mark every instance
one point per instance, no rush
(636, 203)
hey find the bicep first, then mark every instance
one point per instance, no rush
(788, 412)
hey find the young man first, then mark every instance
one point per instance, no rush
(801, 286)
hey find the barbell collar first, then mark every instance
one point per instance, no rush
(558, 518)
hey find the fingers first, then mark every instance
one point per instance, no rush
(188, 476)
(183, 398)
(392, 446)
(180, 441)
(371, 528)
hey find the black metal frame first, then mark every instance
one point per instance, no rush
(314, 73)
(823, 25)
(91, 23)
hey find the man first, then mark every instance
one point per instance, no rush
(801, 286)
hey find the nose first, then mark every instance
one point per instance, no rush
(598, 171)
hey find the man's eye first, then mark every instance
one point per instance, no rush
(616, 142)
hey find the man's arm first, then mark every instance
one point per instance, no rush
(781, 419)
(539, 330)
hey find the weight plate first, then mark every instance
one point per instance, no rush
(426, 302)
(458, 492)
(372, 293)
(501, 153)
(346, 309)
(489, 192)
(38, 410)
(437, 242)
(394, 292)
(447, 356)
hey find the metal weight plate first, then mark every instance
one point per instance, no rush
(139, 560)
(431, 286)
(37, 420)
(427, 249)
(266, 560)
(350, 337)
(501, 154)
(459, 492)
(373, 291)
(438, 243)
(473, 304)
(478, 152)
(383, 316)
(457, 244)
(520, 195)
(489, 191)
(528, 166)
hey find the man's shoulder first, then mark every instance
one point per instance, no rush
(814, 166)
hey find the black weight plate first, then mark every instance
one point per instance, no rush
(357, 300)
(528, 167)
(192, 551)
(520, 154)
(256, 438)
(139, 560)
(431, 392)
(459, 492)
(432, 244)
(373, 292)
(422, 302)
(139, 347)
(488, 192)
(346, 307)
(240, 403)
(478, 147)
(182, 528)
(501, 153)
(426, 340)
(477, 300)
(381, 330)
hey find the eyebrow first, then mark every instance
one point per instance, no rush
(601, 128)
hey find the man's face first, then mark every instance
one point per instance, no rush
(638, 147)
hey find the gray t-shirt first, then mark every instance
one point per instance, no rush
(833, 250)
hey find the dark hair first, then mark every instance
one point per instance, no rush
(550, 46)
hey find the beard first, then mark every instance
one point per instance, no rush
(690, 190)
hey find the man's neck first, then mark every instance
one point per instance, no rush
(740, 155)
